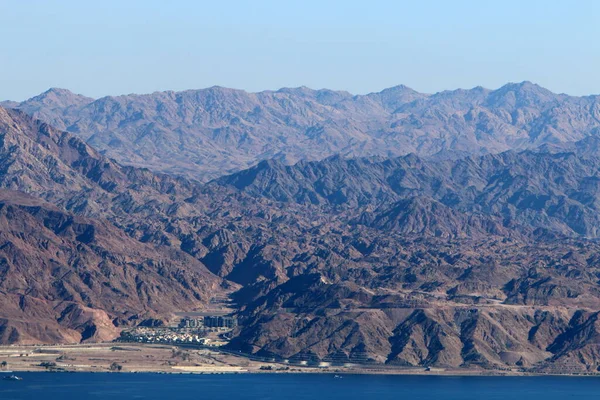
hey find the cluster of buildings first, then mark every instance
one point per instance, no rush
(152, 335)
(191, 330)
(213, 321)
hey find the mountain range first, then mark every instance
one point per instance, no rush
(207, 133)
(461, 232)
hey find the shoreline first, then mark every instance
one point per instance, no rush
(452, 374)
(132, 358)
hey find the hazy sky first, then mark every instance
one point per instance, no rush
(138, 46)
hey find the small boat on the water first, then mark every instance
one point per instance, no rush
(13, 378)
(337, 377)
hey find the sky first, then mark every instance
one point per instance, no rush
(111, 47)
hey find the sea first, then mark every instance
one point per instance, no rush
(116, 386)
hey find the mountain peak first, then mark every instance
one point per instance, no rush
(394, 97)
(58, 91)
(58, 97)
(399, 88)
(524, 87)
(521, 94)
(298, 91)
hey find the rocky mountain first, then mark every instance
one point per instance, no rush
(553, 191)
(65, 278)
(485, 261)
(489, 304)
(207, 133)
(81, 276)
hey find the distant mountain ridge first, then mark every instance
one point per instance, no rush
(211, 132)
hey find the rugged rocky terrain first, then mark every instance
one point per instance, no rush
(207, 133)
(66, 277)
(485, 260)
(524, 191)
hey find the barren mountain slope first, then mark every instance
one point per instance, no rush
(211, 132)
(482, 261)
(65, 278)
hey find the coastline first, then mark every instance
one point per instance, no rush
(170, 359)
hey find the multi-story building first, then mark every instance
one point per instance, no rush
(191, 323)
(229, 322)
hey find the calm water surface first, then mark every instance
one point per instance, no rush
(62, 386)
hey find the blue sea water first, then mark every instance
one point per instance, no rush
(65, 386)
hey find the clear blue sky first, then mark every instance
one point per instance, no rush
(138, 46)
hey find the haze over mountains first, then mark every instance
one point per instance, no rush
(207, 133)
(462, 231)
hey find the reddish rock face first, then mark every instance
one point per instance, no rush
(68, 278)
